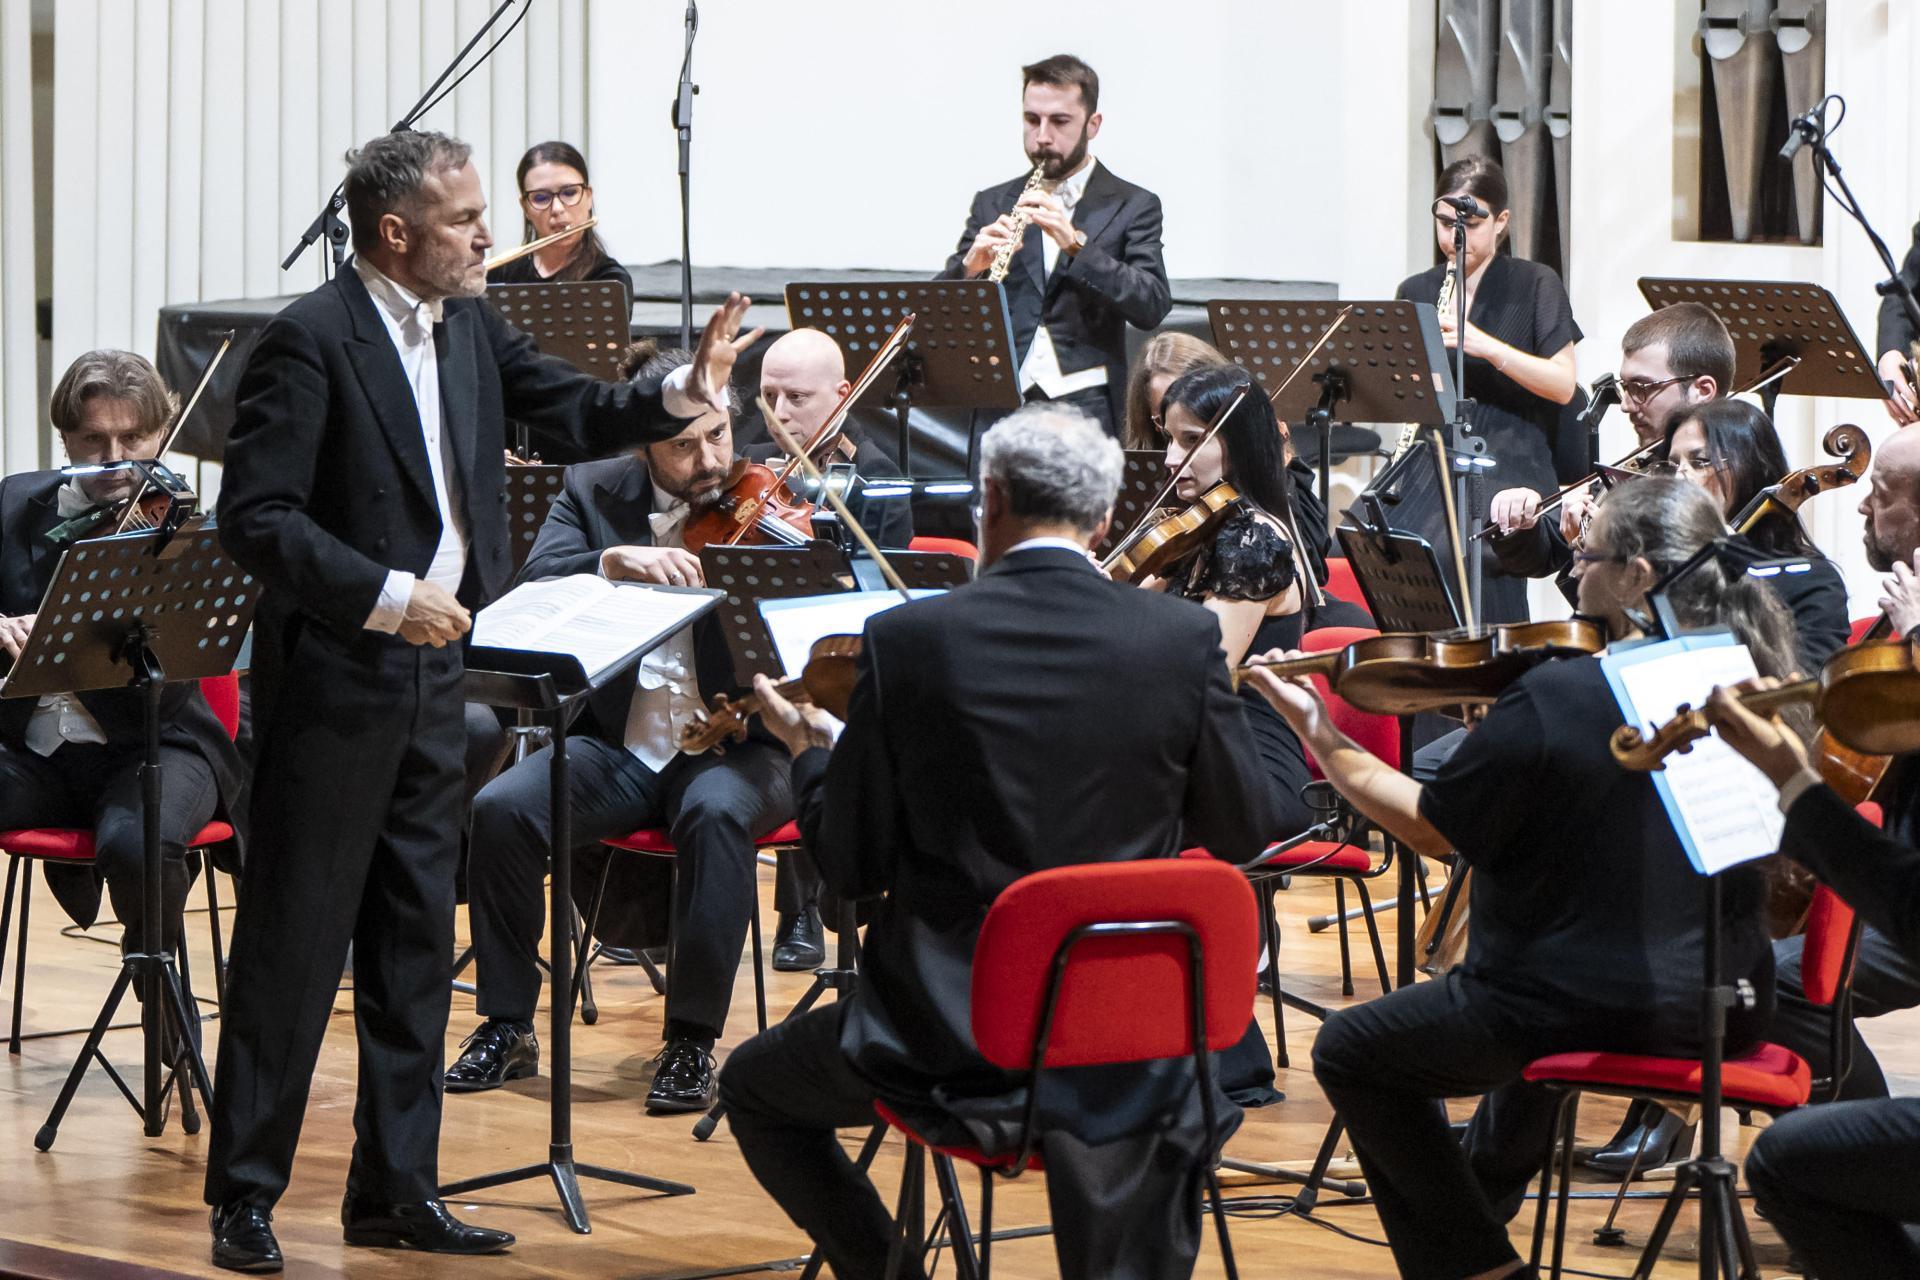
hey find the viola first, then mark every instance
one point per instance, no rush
(1402, 674)
(755, 509)
(826, 681)
(164, 501)
(1171, 535)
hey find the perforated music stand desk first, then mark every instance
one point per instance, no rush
(920, 570)
(549, 685)
(531, 491)
(1144, 471)
(587, 323)
(1386, 364)
(959, 356)
(751, 574)
(1775, 320)
(145, 609)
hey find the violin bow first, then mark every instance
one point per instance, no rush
(840, 508)
(1561, 495)
(173, 433)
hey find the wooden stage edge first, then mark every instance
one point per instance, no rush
(108, 1203)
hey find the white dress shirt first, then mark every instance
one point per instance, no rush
(1041, 368)
(59, 717)
(409, 323)
(1049, 544)
(667, 689)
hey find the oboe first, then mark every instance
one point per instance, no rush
(1022, 215)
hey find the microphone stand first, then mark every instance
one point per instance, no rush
(1465, 446)
(327, 222)
(683, 123)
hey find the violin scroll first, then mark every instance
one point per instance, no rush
(1635, 751)
(712, 729)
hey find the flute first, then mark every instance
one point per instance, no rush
(534, 246)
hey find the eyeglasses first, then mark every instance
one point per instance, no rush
(1598, 557)
(568, 196)
(1639, 390)
(1698, 464)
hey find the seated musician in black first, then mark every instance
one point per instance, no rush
(623, 518)
(1586, 913)
(1009, 683)
(556, 194)
(74, 760)
(1247, 573)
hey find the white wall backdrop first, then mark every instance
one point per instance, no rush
(19, 436)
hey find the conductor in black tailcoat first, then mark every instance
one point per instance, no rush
(1089, 262)
(364, 488)
(1039, 717)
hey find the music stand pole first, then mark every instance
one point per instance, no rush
(1463, 480)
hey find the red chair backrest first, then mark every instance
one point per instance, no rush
(1378, 734)
(1342, 583)
(223, 695)
(1125, 998)
(1860, 628)
(1823, 963)
(951, 546)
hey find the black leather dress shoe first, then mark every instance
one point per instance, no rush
(497, 1051)
(797, 944)
(243, 1239)
(683, 1079)
(424, 1225)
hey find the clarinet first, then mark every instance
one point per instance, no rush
(1003, 256)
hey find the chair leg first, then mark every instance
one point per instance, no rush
(1346, 957)
(1607, 1233)
(6, 924)
(986, 1223)
(586, 934)
(213, 927)
(1570, 1111)
(1373, 936)
(903, 1227)
(1546, 1192)
(959, 1231)
(20, 952)
(1270, 926)
(759, 966)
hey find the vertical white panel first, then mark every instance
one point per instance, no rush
(576, 79)
(307, 176)
(404, 85)
(20, 418)
(472, 102)
(508, 139)
(186, 35)
(438, 42)
(370, 114)
(147, 230)
(223, 148)
(76, 176)
(545, 79)
(113, 153)
(336, 128)
(260, 179)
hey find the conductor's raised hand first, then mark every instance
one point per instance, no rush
(433, 616)
(721, 345)
(802, 726)
(13, 634)
(1773, 749)
(1297, 700)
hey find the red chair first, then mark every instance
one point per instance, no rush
(655, 842)
(1087, 965)
(1342, 583)
(951, 546)
(74, 846)
(1767, 1077)
(1860, 628)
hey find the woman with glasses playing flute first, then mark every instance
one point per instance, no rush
(555, 194)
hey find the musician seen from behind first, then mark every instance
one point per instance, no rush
(1519, 340)
(73, 760)
(1676, 358)
(1587, 916)
(1010, 681)
(624, 518)
(1088, 263)
(363, 488)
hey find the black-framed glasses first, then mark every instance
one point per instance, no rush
(568, 196)
(1641, 390)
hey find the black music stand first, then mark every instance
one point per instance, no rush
(1791, 336)
(147, 610)
(959, 356)
(531, 491)
(587, 323)
(920, 570)
(750, 574)
(1145, 470)
(549, 685)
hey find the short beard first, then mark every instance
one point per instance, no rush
(1879, 558)
(699, 499)
(1055, 168)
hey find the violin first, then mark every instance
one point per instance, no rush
(826, 681)
(1867, 697)
(1845, 442)
(1171, 535)
(1401, 674)
(162, 501)
(755, 509)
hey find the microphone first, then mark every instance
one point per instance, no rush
(1466, 206)
(1801, 130)
(1604, 395)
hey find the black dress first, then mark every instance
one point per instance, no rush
(523, 271)
(1524, 305)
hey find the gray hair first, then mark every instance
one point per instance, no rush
(385, 176)
(1054, 464)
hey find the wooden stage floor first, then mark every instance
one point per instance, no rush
(106, 1192)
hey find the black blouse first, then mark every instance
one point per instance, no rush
(1524, 305)
(523, 271)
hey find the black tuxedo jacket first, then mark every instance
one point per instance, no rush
(27, 562)
(327, 486)
(1875, 869)
(1089, 298)
(1039, 717)
(607, 504)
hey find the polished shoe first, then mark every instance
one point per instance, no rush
(1659, 1139)
(683, 1079)
(798, 944)
(243, 1239)
(424, 1225)
(497, 1051)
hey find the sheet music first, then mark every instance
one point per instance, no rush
(585, 616)
(795, 624)
(1724, 809)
